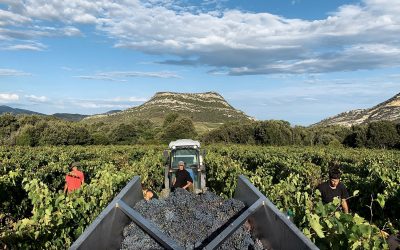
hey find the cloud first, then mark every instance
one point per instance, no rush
(10, 18)
(160, 74)
(306, 103)
(117, 75)
(67, 68)
(101, 78)
(353, 37)
(32, 46)
(95, 105)
(36, 99)
(7, 97)
(324, 91)
(13, 72)
(113, 103)
(129, 99)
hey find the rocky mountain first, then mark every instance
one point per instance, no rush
(387, 110)
(209, 107)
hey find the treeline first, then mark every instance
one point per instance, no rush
(381, 134)
(33, 130)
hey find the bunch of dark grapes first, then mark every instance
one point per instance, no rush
(191, 220)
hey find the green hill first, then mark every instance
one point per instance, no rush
(207, 110)
(17, 111)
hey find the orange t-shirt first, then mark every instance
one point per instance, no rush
(74, 180)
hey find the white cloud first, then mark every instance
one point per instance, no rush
(113, 103)
(160, 74)
(306, 103)
(32, 46)
(226, 40)
(36, 99)
(129, 99)
(117, 75)
(10, 18)
(7, 97)
(101, 78)
(94, 105)
(71, 31)
(12, 72)
(66, 68)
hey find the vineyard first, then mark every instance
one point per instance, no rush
(36, 214)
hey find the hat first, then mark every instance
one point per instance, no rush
(181, 163)
(75, 164)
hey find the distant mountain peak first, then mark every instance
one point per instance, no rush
(200, 107)
(387, 110)
(17, 111)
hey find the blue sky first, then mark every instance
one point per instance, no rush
(300, 60)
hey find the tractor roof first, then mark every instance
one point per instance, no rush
(184, 143)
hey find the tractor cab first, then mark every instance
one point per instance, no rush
(188, 151)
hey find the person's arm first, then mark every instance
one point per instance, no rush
(345, 206)
(188, 183)
(345, 196)
(83, 178)
(66, 185)
(189, 180)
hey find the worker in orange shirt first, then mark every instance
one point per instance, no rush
(74, 179)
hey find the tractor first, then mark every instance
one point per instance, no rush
(189, 152)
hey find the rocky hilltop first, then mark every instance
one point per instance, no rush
(209, 107)
(388, 110)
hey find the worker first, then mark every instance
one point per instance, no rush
(334, 188)
(149, 194)
(74, 179)
(182, 177)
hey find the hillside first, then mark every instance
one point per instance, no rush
(387, 110)
(17, 111)
(203, 108)
(69, 117)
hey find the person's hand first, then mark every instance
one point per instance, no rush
(384, 234)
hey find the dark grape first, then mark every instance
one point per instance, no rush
(191, 220)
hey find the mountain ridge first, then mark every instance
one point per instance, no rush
(8, 109)
(200, 107)
(63, 116)
(386, 110)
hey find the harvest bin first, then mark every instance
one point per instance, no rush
(268, 224)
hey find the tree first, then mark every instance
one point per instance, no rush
(55, 133)
(324, 135)
(357, 138)
(100, 138)
(8, 126)
(181, 128)
(233, 132)
(169, 119)
(124, 134)
(27, 136)
(273, 132)
(79, 135)
(301, 136)
(138, 131)
(7, 119)
(382, 134)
